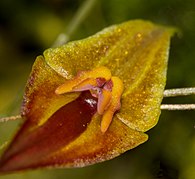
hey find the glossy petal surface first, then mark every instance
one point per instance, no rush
(62, 130)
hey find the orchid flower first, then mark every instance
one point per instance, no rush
(91, 100)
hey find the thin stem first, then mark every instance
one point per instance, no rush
(177, 107)
(78, 18)
(10, 118)
(175, 93)
(179, 92)
(167, 93)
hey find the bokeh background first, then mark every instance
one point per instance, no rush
(27, 28)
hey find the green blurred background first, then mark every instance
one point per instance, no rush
(27, 28)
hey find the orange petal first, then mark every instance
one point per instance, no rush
(104, 99)
(87, 84)
(99, 72)
(114, 105)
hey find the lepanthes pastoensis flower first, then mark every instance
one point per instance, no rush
(91, 100)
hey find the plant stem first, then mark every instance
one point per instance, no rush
(179, 92)
(172, 107)
(10, 118)
(167, 93)
(175, 93)
(78, 18)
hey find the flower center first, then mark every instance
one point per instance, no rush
(102, 85)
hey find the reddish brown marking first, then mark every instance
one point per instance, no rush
(62, 127)
(108, 86)
(100, 82)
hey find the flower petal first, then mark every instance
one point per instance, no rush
(142, 98)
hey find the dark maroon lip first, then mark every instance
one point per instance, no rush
(66, 124)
